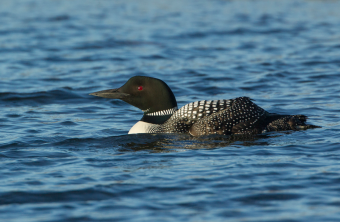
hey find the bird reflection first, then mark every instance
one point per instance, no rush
(165, 143)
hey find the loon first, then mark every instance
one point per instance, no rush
(223, 117)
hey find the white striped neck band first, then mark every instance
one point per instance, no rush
(163, 112)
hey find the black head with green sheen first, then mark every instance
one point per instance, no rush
(146, 93)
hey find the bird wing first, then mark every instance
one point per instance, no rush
(210, 116)
(242, 116)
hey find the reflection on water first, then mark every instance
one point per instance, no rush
(162, 143)
(175, 142)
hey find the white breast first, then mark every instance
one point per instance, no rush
(144, 127)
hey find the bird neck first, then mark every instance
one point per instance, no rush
(158, 117)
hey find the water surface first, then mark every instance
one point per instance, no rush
(66, 156)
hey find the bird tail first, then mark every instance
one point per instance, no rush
(289, 122)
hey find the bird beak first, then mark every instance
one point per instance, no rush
(110, 93)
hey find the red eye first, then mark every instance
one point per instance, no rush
(140, 88)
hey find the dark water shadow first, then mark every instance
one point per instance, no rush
(173, 142)
(156, 143)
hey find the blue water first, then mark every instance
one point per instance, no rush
(66, 156)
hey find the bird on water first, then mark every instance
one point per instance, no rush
(223, 117)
